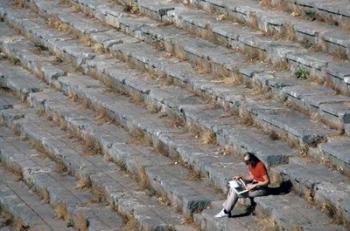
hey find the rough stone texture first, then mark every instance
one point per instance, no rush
(134, 51)
(305, 218)
(208, 159)
(207, 221)
(26, 206)
(240, 144)
(338, 149)
(18, 79)
(60, 189)
(327, 186)
(102, 174)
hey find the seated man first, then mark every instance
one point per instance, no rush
(257, 183)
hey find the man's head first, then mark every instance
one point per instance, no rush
(250, 158)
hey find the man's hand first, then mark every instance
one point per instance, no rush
(236, 177)
(250, 186)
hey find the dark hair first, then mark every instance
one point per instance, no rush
(251, 158)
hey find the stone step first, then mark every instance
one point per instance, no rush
(328, 189)
(118, 188)
(254, 43)
(132, 157)
(12, 78)
(337, 151)
(133, 121)
(283, 206)
(336, 13)
(91, 85)
(156, 173)
(332, 109)
(274, 24)
(335, 71)
(133, 24)
(101, 67)
(26, 208)
(105, 98)
(202, 219)
(60, 191)
(273, 153)
(160, 173)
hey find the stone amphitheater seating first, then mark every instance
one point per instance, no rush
(123, 115)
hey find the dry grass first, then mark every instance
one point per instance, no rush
(137, 136)
(297, 228)
(153, 108)
(91, 147)
(75, 8)
(56, 23)
(82, 181)
(207, 32)
(39, 73)
(136, 98)
(340, 53)
(187, 220)
(280, 66)
(85, 40)
(193, 176)
(131, 225)
(273, 135)
(265, 3)
(98, 195)
(253, 54)
(169, 48)
(60, 211)
(80, 222)
(37, 146)
(13, 60)
(296, 10)
(331, 211)
(246, 117)
(345, 25)
(60, 168)
(287, 32)
(163, 200)
(72, 96)
(202, 66)
(207, 137)
(19, 225)
(98, 48)
(165, 81)
(19, 3)
(309, 195)
(253, 22)
(176, 122)
(141, 174)
(101, 113)
(267, 224)
(132, 8)
(6, 218)
(180, 52)
(44, 195)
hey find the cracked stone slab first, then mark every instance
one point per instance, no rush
(339, 150)
(18, 79)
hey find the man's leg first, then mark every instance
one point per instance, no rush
(255, 193)
(231, 200)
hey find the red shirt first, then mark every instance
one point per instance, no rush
(258, 171)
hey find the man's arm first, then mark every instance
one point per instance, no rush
(261, 183)
(246, 178)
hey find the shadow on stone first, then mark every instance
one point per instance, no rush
(284, 188)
